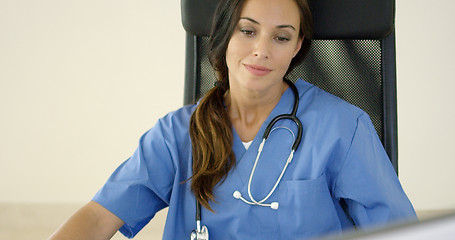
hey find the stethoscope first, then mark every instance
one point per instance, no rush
(201, 233)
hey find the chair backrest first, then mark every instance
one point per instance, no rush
(352, 56)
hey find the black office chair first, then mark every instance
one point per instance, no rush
(352, 56)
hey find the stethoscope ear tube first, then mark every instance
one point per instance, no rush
(292, 116)
(299, 134)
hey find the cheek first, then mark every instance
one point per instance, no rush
(229, 58)
(229, 52)
(237, 48)
(233, 54)
(284, 61)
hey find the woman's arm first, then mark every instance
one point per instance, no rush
(368, 182)
(92, 221)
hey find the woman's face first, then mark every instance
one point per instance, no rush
(263, 44)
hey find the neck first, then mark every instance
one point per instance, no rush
(249, 109)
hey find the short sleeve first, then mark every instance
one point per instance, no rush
(368, 183)
(141, 185)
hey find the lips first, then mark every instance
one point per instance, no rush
(257, 70)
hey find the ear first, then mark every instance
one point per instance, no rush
(298, 46)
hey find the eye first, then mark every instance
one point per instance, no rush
(247, 31)
(282, 39)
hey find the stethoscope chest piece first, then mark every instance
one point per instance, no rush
(203, 234)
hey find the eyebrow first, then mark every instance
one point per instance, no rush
(279, 26)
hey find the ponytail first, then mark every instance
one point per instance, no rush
(211, 137)
(210, 124)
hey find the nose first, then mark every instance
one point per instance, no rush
(262, 47)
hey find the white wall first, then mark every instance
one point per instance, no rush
(426, 111)
(80, 81)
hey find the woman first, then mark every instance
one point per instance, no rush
(339, 177)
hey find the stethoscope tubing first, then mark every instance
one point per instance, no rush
(292, 116)
(291, 155)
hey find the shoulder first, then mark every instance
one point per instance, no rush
(171, 129)
(179, 118)
(318, 102)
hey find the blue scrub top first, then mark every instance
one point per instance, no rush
(340, 162)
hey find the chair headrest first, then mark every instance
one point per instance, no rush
(333, 19)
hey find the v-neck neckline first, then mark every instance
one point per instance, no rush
(245, 158)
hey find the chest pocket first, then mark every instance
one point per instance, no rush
(306, 209)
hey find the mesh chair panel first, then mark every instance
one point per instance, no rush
(351, 70)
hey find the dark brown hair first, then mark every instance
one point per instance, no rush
(210, 125)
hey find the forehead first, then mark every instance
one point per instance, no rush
(273, 12)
